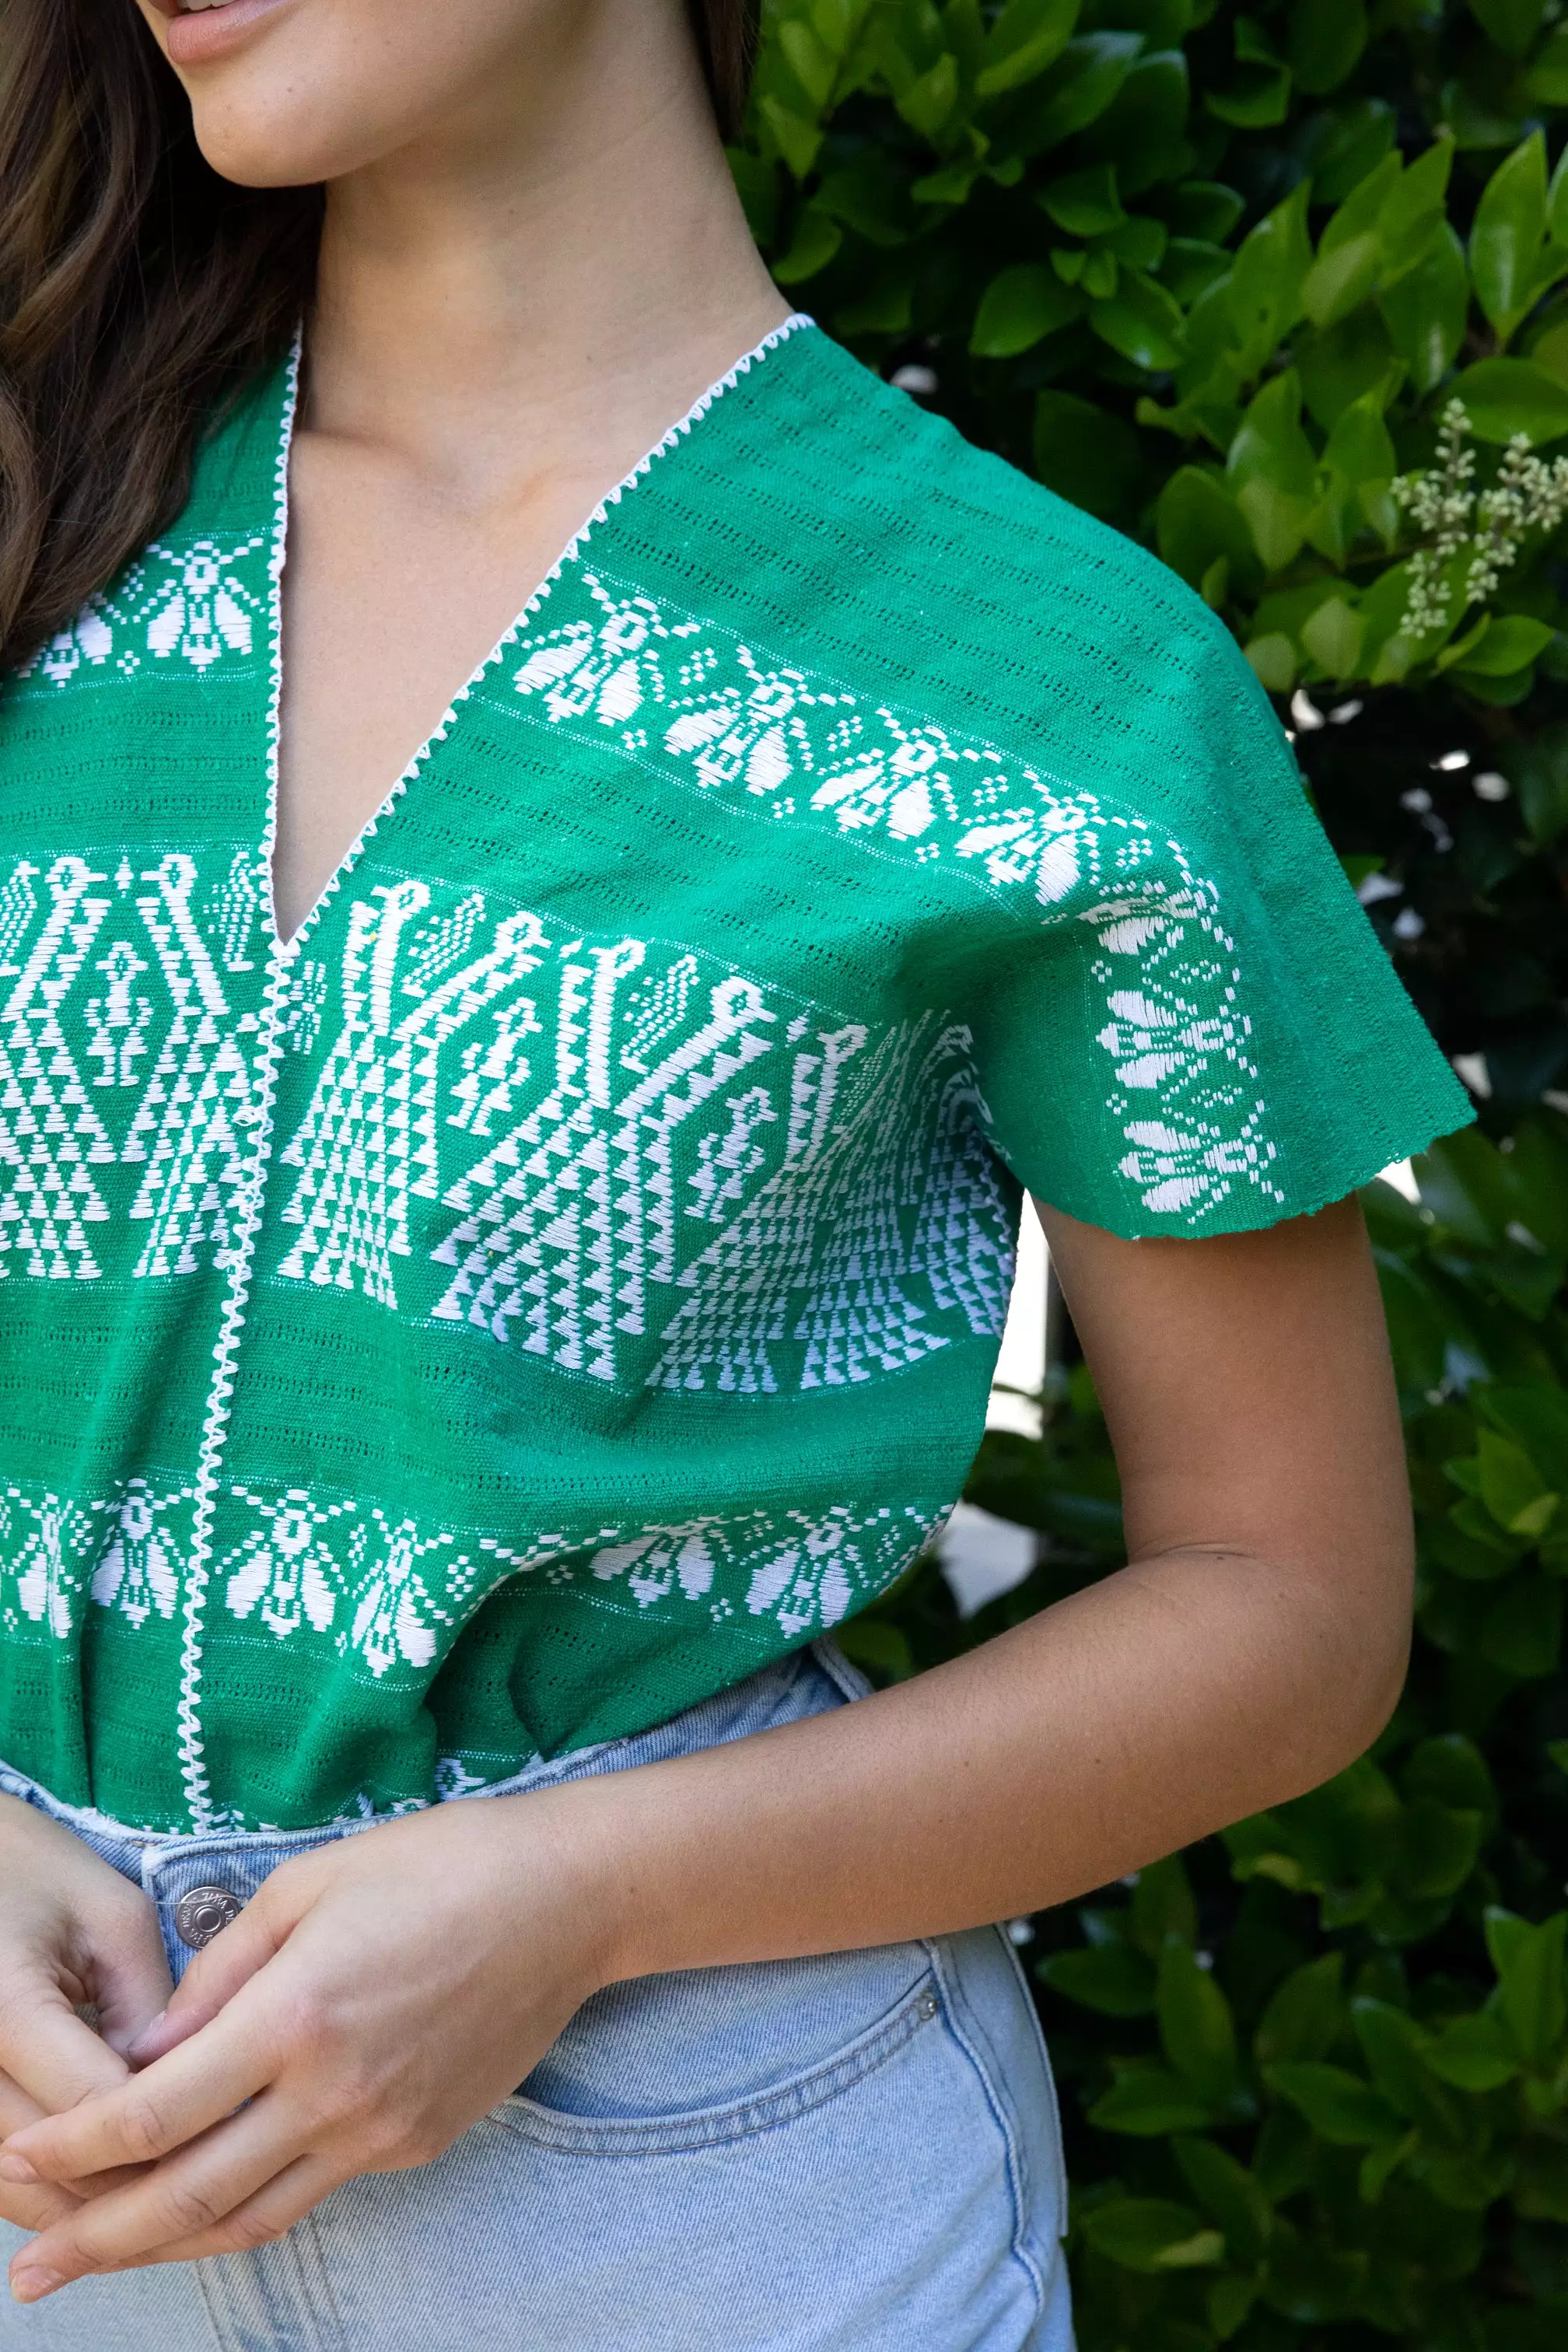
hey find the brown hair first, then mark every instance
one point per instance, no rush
(138, 289)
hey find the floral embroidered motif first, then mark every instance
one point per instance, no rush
(685, 697)
(119, 1546)
(195, 603)
(141, 1568)
(388, 1595)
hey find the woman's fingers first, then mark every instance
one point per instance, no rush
(261, 2218)
(48, 2049)
(28, 2208)
(190, 2195)
(130, 1980)
(145, 2115)
(210, 1983)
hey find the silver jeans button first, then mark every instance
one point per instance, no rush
(204, 1913)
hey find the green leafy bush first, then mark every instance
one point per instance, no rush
(1284, 291)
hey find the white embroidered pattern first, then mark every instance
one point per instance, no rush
(196, 605)
(385, 1593)
(692, 702)
(120, 1047)
(118, 1547)
(689, 1180)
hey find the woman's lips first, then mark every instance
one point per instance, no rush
(196, 34)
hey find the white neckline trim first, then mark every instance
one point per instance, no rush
(286, 951)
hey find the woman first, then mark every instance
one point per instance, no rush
(498, 1267)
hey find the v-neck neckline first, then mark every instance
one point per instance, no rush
(285, 951)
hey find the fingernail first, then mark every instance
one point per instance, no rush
(146, 2034)
(31, 2286)
(16, 2167)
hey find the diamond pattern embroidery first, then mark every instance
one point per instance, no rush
(120, 1049)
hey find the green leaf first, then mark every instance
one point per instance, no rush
(1338, 2104)
(1305, 2014)
(1339, 281)
(798, 141)
(1273, 660)
(1263, 298)
(1190, 265)
(1141, 241)
(1022, 305)
(1539, 770)
(1339, 145)
(1205, 209)
(1523, 1630)
(1114, 1979)
(1273, 471)
(1195, 2024)
(1395, 2050)
(1535, 1416)
(1080, 86)
(1085, 453)
(1197, 522)
(1507, 236)
(1412, 218)
(1511, 24)
(1451, 1770)
(1425, 311)
(815, 241)
(1530, 1992)
(1474, 2054)
(811, 64)
(1084, 203)
(1333, 635)
(1351, 361)
(1228, 2302)
(1141, 321)
(1229, 2194)
(1435, 1849)
(1151, 2233)
(1510, 1486)
(880, 1648)
(1505, 396)
(1144, 128)
(927, 102)
(1326, 38)
(1150, 2104)
(1257, 99)
(1512, 641)
(1027, 37)
(1162, 1906)
(1546, 82)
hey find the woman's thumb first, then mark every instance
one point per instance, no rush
(213, 1979)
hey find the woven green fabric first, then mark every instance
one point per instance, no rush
(569, 1274)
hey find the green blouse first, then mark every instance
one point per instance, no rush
(568, 1273)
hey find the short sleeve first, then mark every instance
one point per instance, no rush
(1184, 1023)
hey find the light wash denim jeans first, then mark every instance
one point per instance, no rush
(859, 2153)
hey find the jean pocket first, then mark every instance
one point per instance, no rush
(669, 2064)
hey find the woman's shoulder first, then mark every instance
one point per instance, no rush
(880, 544)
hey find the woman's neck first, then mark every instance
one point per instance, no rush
(568, 252)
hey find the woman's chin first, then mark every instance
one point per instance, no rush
(264, 146)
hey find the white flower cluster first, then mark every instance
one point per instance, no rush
(1529, 494)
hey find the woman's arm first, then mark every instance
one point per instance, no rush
(376, 1995)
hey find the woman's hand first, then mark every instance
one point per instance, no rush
(374, 1998)
(73, 1936)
